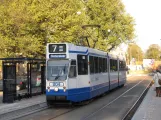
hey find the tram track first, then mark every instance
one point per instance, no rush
(133, 109)
(63, 111)
(86, 118)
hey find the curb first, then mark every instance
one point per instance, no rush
(23, 111)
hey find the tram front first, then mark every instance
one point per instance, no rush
(57, 70)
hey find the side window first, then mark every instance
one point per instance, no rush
(96, 66)
(103, 65)
(116, 65)
(82, 64)
(113, 65)
(72, 71)
(122, 65)
(106, 65)
(100, 65)
(91, 61)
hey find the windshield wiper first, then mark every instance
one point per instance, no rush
(62, 72)
(57, 77)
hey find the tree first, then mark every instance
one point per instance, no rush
(134, 51)
(26, 26)
(111, 16)
(153, 52)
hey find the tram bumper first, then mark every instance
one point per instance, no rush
(56, 95)
(56, 98)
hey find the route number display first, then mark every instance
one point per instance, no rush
(57, 48)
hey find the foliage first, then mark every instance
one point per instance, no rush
(27, 25)
(153, 52)
(134, 51)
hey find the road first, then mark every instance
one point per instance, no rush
(112, 106)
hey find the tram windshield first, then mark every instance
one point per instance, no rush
(57, 70)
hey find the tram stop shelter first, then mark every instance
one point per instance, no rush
(22, 78)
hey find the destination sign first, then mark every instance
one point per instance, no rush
(57, 56)
(57, 48)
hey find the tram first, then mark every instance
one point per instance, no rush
(77, 73)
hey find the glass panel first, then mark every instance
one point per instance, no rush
(82, 62)
(91, 61)
(57, 70)
(21, 79)
(72, 72)
(96, 64)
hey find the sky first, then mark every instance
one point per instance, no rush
(147, 15)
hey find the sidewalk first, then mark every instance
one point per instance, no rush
(150, 108)
(18, 108)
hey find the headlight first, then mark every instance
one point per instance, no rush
(56, 89)
(51, 84)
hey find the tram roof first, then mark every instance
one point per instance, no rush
(84, 49)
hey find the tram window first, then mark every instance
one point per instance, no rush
(91, 61)
(113, 65)
(72, 71)
(116, 65)
(104, 65)
(101, 65)
(96, 64)
(106, 68)
(82, 64)
(122, 65)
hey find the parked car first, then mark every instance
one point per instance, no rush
(1, 85)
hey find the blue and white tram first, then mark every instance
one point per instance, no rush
(77, 73)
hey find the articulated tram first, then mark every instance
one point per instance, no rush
(77, 73)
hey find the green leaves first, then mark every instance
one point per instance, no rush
(27, 25)
(153, 52)
(134, 51)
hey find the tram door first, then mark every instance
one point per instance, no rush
(9, 83)
(83, 77)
